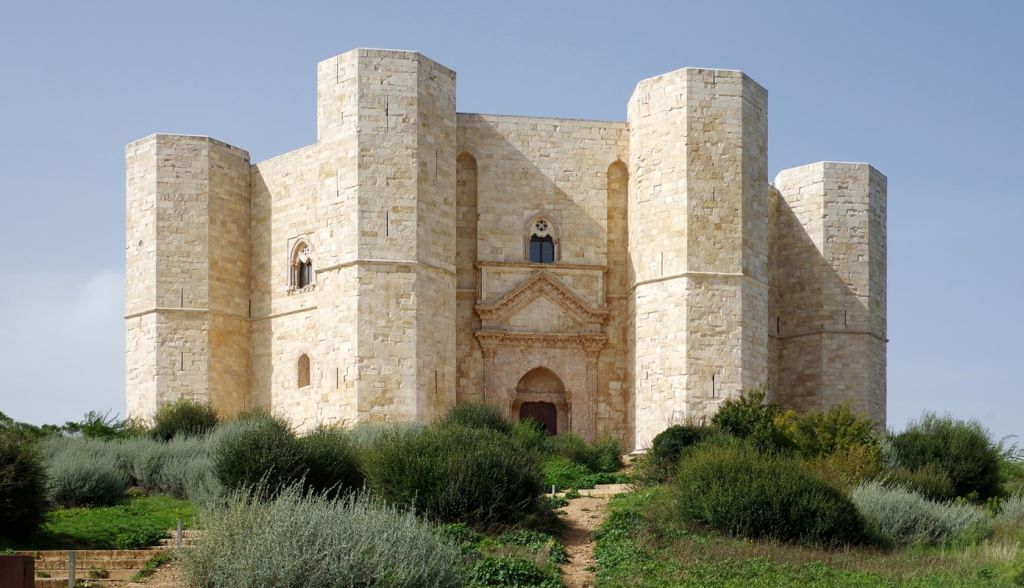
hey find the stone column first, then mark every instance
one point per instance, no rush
(588, 425)
(489, 345)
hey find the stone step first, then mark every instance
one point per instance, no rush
(121, 575)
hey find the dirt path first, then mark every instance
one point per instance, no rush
(582, 516)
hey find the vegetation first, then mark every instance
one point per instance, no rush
(960, 449)
(22, 485)
(78, 478)
(905, 517)
(743, 493)
(183, 417)
(477, 415)
(137, 523)
(282, 543)
(432, 470)
(258, 450)
(330, 462)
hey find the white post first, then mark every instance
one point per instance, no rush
(71, 569)
(178, 534)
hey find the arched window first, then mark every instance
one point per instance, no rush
(303, 371)
(301, 266)
(542, 241)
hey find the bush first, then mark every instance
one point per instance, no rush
(928, 481)
(669, 444)
(476, 415)
(531, 435)
(905, 517)
(738, 491)
(22, 485)
(824, 433)
(960, 449)
(329, 461)
(510, 571)
(847, 467)
(183, 417)
(77, 478)
(605, 455)
(454, 473)
(101, 425)
(751, 418)
(1011, 513)
(257, 450)
(298, 540)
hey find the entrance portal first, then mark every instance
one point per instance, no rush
(541, 396)
(543, 412)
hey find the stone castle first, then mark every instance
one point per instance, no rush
(601, 277)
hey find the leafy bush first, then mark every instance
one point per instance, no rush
(284, 543)
(669, 444)
(101, 425)
(183, 417)
(605, 455)
(258, 450)
(1011, 513)
(22, 485)
(78, 477)
(330, 462)
(824, 433)
(510, 571)
(531, 435)
(738, 491)
(847, 467)
(960, 449)
(905, 517)
(751, 418)
(454, 473)
(928, 481)
(478, 415)
(563, 473)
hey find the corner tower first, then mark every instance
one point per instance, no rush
(386, 156)
(698, 237)
(829, 288)
(187, 273)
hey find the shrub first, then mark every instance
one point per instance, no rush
(22, 485)
(847, 467)
(77, 478)
(454, 473)
(330, 462)
(905, 517)
(1011, 513)
(605, 455)
(751, 418)
(824, 433)
(101, 425)
(531, 436)
(298, 540)
(478, 415)
(669, 444)
(510, 571)
(738, 491)
(183, 417)
(928, 481)
(961, 449)
(541, 544)
(258, 450)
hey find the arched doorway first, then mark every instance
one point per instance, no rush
(540, 395)
(544, 413)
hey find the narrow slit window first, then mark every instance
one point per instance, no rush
(303, 369)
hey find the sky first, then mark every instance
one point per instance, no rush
(931, 94)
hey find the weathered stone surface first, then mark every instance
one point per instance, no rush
(680, 276)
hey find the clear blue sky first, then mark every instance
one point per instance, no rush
(930, 93)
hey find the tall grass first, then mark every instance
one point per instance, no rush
(906, 517)
(298, 540)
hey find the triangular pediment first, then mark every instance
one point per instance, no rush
(542, 295)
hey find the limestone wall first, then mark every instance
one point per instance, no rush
(830, 276)
(698, 235)
(187, 273)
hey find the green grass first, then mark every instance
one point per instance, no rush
(563, 473)
(136, 523)
(632, 550)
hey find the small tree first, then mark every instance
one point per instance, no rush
(750, 417)
(961, 449)
(183, 417)
(22, 485)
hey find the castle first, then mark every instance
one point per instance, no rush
(598, 276)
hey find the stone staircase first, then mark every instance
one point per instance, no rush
(117, 566)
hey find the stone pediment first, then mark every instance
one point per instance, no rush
(547, 296)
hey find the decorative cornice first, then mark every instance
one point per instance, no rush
(542, 283)
(528, 265)
(490, 340)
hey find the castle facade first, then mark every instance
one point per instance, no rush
(597, 276)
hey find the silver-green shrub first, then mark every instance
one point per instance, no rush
(297, 540)
(1011, 513)
(78, 475)
(905, 517)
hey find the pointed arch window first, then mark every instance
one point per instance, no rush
(302, 276)
(542, 241)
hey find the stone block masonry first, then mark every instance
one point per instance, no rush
(394, 268)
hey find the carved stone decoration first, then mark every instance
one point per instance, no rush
(515, 359)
